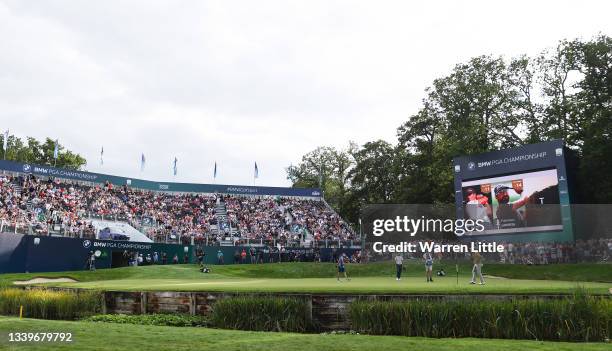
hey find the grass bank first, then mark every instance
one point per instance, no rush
(97, 336)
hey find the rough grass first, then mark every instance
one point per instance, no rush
(48, 304)
(109, 336)
(577, 318)
(262, 313)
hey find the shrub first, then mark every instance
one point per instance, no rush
(172, 320)
(577, 318)
(265, 313)
(49, 304)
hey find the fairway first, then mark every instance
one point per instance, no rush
(96, 336)
(320, 278)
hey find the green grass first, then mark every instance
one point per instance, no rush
(96, 336)
(318, 278)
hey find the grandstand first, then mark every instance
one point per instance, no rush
(71, 205)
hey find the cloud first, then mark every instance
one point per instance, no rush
(241, 81)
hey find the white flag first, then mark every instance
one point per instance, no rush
(5, 144)
(56, 150)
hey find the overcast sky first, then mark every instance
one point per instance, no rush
(242, 81)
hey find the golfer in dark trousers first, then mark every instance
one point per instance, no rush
(399, 260)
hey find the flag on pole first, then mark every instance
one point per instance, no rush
(175, 161)
(321, 174)
(102, 156)
(256, 171)
(5, 143)
(215, 171)
(56, 150)
(142, 162)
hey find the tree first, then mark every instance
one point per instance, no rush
(486, 104)
(33, 151)
(374, 176)
(328, 168)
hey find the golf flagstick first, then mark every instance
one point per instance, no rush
(457, 272)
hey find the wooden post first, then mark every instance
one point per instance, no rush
(104, 302)
(192, 303)
(309, 310)
(143, 302)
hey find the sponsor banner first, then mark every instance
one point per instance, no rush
(121, 245)
(528, 157)
(47, 171)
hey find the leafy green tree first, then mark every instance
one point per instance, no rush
(327, 168)
(485, 104)
(33, 151)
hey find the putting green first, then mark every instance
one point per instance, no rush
(320, 278)
(331, 285)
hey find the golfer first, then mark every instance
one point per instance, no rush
(428, 266)
(399, 260)
(477, 268)
(341, 268)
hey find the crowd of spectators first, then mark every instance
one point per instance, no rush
(65, 207)
(286, 219)
(32, 203)
(592, 250)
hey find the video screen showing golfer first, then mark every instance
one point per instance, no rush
(514, 203)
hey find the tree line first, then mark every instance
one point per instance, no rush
(32, 150)
(484, 104)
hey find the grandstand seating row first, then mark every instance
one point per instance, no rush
(48, 206)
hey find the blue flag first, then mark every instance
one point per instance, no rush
(215, 171)
(175, 160)
(256, 171)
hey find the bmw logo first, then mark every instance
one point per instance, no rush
(27, 168)
(471, 166)
(87, 244)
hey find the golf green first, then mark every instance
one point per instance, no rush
(320, 278)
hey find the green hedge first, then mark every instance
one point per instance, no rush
(171, 320)
(262, 314)
(49, 304)
(579, 318)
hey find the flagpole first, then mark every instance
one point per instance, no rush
(5, 146)
(56, 152)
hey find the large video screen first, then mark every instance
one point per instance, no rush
(516, 203)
